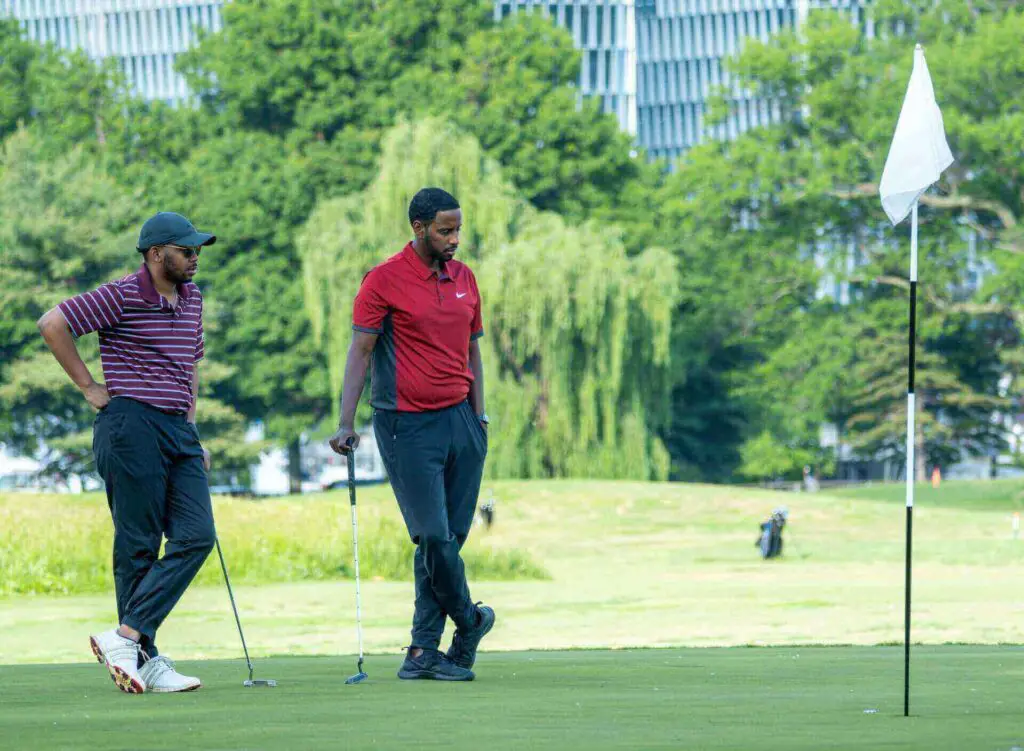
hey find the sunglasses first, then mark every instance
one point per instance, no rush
(189, 253)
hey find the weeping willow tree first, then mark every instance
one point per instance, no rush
(577, 346)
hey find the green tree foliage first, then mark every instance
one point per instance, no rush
(779, 304)
(577, 350)
(331, 78)
(252, 191)
(951, 416)
(319, 66)
(15, 94)
(744, 276)
(784, 216)
(515, 91)
(64, 94)
(303, 91)
(66, 227)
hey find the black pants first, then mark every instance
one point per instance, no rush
(435, 461)
(152, 464)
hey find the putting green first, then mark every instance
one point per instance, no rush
(787, 698)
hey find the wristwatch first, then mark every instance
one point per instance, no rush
(484, 419)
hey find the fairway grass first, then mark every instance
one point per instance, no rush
(1005, 494)
(630, 565)
(784, 699)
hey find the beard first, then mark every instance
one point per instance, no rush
(437, 254)
(172, 273)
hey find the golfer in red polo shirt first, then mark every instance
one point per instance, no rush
(417, 319)
(145, 440)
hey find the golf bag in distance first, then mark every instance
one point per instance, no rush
(770, 540)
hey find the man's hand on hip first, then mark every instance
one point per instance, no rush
(96, 394)
(341, 440)
(206, 460)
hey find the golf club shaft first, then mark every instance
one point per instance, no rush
(234, 608)
(355, 551)
(359, 614)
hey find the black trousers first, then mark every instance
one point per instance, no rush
(435, 461)
(152, 464)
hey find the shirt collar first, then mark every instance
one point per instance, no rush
(148, 290)
(423, 271)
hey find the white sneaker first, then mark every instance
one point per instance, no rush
(161, 677)
(121, 656)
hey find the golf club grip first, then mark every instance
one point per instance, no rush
(350, 456)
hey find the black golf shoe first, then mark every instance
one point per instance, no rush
(432, 665)
(462, 652)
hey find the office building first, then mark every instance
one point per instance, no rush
(144, 36)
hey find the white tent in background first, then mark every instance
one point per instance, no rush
(19, 472)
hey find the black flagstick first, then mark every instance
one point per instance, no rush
(910, 456)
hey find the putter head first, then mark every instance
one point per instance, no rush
(258, 683)
(357, 678)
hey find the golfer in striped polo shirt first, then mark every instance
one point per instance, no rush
(145, 440)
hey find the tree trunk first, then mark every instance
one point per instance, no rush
(294, 466)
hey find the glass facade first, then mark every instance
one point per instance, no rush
(144, 36)
(605, 31)
(682, 48)
(652, 63)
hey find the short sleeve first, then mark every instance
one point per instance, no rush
(92, 311)
(476, 326)
(371, 304)
(200, 338)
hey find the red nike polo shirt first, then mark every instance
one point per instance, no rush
(425, 321)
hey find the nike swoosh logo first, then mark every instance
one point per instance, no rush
(460, 295)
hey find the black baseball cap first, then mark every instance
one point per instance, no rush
(168, 227)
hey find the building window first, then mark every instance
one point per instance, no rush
(138, 23)
(158, 28)
(129, 37)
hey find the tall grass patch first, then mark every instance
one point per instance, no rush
(63, 544)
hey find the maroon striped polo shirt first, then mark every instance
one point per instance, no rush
(147, 348)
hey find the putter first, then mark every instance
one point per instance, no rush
(249, 683)
(361, 675)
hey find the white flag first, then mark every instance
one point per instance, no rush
(919, 152)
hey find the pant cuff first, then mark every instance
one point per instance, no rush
(469, 619)
(144, 630)
(433, 644)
